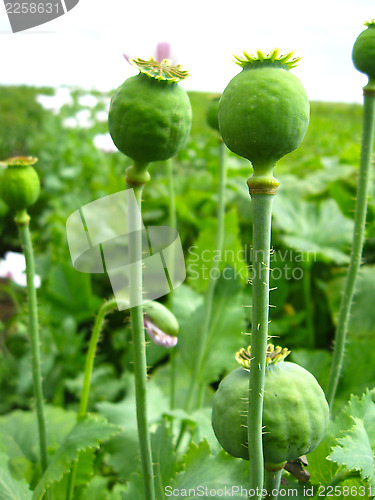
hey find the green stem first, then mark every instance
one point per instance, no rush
(273, 481)
(214, 273)
(262, 212)
(106, 308)
(173, 224)
(357, 247)
(139, 343)
(23, 227)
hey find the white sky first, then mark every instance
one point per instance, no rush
(85, 46)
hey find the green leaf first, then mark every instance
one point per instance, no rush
(11, 488)
(123, 450)
(204, 253)
(317, 229)
(164, 461)
(359, 407)
(97, 489)
(227, 325)
(87, 433)
(163, 457)
(354, 452)
(214, 472)
(319, 180)
(69, 290)
(19, 432)
(84, 472)
(321, 470)
(359, 361)
(362, 314)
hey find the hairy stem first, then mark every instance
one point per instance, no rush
(273, 481)
(202, 341)
(357, 246)
(139, 343)
(262, 211)
(106, 308)
(34, 336)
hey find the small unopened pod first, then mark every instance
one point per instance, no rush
(19, 184)
(363, 54)
(160, 324)
(295, 410)
(150, 114)
(162, 317)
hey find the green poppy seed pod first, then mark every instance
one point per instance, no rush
(20, 185)
(212, 113)
(295, 411)
(150, 114)
(363, 54)
(264, 111)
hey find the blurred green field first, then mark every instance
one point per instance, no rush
(316, 181)
(311, 237)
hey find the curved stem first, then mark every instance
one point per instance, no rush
(273, 480)
(262, 211)
(139, 343)
(105, 308)
(34, 338)
(358, 240)
(201, 348)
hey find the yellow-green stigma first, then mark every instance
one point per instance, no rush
(273, 355)
(163, 70)
(272, 57)
(19, 160)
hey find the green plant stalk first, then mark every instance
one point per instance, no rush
(105, 308)
(262, 213)
(22, 221)
(139, 343)
(358, 240)
(201, 348)
(273, 481)
(173, 224)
